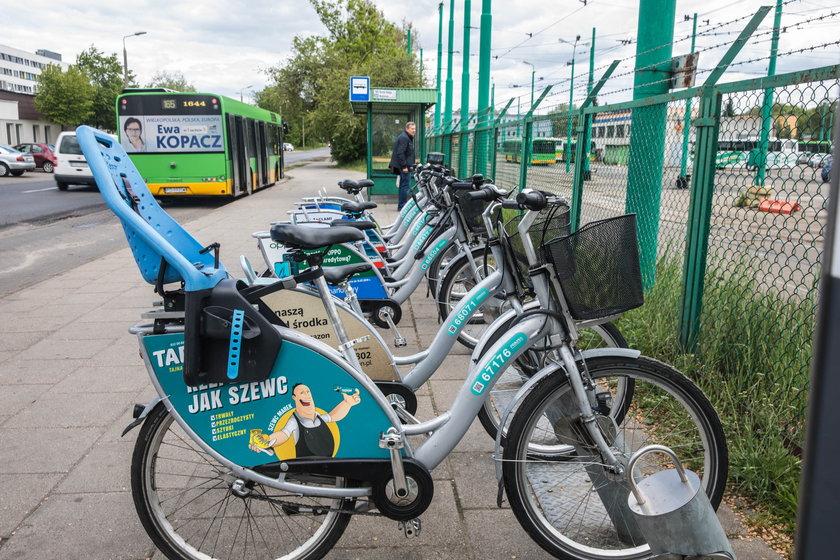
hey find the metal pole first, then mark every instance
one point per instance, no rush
(125, 65)
(125, 57)
(647, 133)
(465, 93)
(484, 105)
(447, 112)
(421, 65)
(408, 49)
(587, 174)
(532, 85)
(567, 153)
(767, 107)
(303, 131)
(819, 498)
(438, 108)
(682, 180)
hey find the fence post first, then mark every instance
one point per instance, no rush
(584, 133)
(706, 127)
(526, 140)
(585, 121)
(702, 189)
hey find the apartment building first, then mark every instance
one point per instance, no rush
(19, 120)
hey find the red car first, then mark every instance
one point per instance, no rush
(43, 154)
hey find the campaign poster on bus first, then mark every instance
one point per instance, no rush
(171, 133)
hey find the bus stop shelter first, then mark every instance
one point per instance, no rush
(387, 111)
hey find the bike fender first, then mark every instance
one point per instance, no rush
(539, 376)
(142, 416)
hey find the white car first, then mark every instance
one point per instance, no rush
(288, 147)
(817, 160)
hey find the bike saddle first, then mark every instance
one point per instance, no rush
(305, 237)
(357, 207)
(358, 224)
(336, 274)
(350, 185)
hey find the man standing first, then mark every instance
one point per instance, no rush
(402, 157)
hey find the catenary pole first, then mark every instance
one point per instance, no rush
(465, 94)
(484, 104)
(767, 105)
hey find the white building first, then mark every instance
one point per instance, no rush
(19, 120)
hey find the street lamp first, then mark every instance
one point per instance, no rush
(125, 57)
(242, 90)
(532, 80)
(567, 149)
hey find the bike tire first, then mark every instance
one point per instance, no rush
(184, 500)
(457, 281)
(605, 335)
(559, 502)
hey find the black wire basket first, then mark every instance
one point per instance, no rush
(598, 268)
(471, 210)
(552, 222)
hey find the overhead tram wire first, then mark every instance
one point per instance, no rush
(532, 35)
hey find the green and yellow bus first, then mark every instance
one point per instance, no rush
(542, 150)
(560, 149)
(199, 144)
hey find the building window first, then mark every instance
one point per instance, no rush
(610, 131)
(46, 134)
(619, 131)
(35, 133)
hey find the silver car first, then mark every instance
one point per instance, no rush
(13, 162)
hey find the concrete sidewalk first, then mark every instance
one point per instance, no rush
(71, 374)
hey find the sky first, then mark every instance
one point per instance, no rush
(225, 46)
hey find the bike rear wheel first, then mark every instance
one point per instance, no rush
(569, 504)
(192, 509)
(605, 335)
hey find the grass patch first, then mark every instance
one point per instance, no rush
(752, 361)
(358, 165)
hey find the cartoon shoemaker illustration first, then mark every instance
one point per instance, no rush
(313, 433)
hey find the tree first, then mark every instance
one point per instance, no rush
(106, 76)
(171, 80)
(65, 98)
(314, 83)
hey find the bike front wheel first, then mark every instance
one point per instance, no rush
(194, 508)
(569, 503)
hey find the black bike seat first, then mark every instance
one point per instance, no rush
(337, 274)
(358, 224)
(307, 237)
(357, 207)
(350, 185)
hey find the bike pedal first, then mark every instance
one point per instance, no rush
(400, 342)
(411, 528)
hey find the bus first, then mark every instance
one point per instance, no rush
(560, 149)
(542, 150)
(199, 144)
(744, 152)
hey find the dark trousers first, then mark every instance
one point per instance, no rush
(402, 193)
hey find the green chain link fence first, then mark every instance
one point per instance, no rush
(726, 181)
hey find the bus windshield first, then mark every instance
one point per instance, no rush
(171, 124)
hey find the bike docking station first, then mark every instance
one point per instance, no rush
(388, 110)
(673, 513)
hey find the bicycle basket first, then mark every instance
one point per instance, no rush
(598, 268)
(472, 211)
(551, 222)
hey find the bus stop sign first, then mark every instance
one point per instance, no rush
(360, 88)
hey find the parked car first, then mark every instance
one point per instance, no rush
(43, 154)
(288, 147)
(71, 167)
(13, 162)
(825, 173)
(817, 160)
(803, 157)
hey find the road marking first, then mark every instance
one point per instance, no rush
(39, 190)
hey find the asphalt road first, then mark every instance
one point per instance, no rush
(44, 231)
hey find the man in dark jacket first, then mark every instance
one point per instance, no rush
(402, 157)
